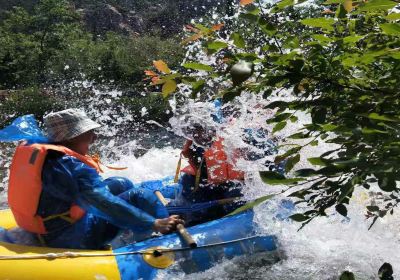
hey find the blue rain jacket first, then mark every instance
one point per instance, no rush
(111, 204)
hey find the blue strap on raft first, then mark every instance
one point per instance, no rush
(23, 128)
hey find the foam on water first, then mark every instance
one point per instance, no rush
(322, 250)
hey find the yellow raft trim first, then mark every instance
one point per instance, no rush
(94, 268)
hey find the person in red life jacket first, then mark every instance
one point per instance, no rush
(210, 175)
(56, 192)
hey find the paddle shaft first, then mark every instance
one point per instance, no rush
(180, 228)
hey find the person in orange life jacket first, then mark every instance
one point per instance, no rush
(108, 205)
(209, 175)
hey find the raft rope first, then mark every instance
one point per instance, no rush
(156, 253)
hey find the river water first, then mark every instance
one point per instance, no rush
(321, 250)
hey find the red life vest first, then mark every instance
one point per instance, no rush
(25, 186)
(219, 170)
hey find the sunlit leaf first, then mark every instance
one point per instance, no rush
(374, 5)
(393, 16)
(391, 28)
(216, 45)
(322, 38)
(168, 87)
(197, 66)
(161, 66)
(324, 23)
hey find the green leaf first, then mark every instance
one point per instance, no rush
(299, 135)
(238, 40)
(375, 5)
(291, 162)
(216, 45)
(282, 4)
(322, 38)
(290, 152)
(279, 126)
(252, 204)
(373, 208)
(328, 127)
(305, 172)
(314, 143)
(267, 27)
(391, 28)
(279, 118)
(316, 161)
(168, 87)
(299, 217)
(341, 209)
(393, 16)
(324, 23)
(352, 39)
(372, 131)
(375, 116)
(275, 178)
(347, 275)
(197, 66)
(197, 86)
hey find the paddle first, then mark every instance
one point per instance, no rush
(180, 228)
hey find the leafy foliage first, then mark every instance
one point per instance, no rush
(340, 60)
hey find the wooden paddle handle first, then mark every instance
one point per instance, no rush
(180, 228)
(161, 197)
(186, 236)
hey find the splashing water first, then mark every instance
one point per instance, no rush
(321, 250)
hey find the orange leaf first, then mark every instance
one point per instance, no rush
(161, 66)
(246, 2)
(217, 26)
(348, 5)
(192, 28)
(192, 38)
(149, 73)
(157, 81)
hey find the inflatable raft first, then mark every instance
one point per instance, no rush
(223, 238)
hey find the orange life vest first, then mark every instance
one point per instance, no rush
(219, 170)
(25, 186)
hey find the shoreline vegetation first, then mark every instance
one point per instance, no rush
(48, 44)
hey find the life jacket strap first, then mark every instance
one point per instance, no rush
(65, 216)
(96, 159)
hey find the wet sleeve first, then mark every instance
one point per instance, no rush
(94, 197)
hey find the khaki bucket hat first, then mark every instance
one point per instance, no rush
(67, 124)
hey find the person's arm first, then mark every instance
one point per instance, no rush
(94, 197)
